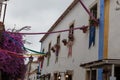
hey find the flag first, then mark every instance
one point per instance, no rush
(92, 36)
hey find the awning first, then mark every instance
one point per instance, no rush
(100, 63)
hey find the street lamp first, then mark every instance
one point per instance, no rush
(59, 76)
(66, 75)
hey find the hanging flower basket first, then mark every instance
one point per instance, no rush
(64, 42)
(69, 44)
(53, 49)
(41, 58)
(93, 22)
(84, 29)
(57, 46)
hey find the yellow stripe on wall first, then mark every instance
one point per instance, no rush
(106, 28)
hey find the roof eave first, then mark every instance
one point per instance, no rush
(100, 63)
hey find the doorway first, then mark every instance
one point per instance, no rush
(117, 73)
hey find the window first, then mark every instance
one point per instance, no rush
(71, 32)
(49, 47)
(55, 76)
(58, 39)
(92, 29)
(49, 54)
(70, 75)
(91, 74)
(117, 73)
(43, 50)
(93, 10)
(57, 48)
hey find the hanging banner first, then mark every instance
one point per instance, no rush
(19, 44)
(34, 51)
(77, 28)
(33, 54)
(48, 54)
(92, 36)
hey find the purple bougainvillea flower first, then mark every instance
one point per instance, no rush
(10, 64)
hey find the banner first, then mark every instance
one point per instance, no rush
(92, 36)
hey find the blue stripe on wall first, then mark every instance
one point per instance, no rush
(101, 30)
(101, 37)
(100, 74)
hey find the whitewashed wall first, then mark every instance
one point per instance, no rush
(114, 31)
(33, 67)
(81, 53)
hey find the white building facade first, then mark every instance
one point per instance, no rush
(85, 55)
(32, 69)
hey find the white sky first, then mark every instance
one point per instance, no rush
(39, 14)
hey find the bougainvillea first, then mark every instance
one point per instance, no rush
(9, 63)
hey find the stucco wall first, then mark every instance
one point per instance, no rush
(33, 76)
(81, 53)
(114, 33)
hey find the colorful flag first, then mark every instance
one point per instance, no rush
(92, 36)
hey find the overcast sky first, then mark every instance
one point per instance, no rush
(39, 14)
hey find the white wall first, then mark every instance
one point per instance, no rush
(114, 31)
(81, 53)
(33, 67)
